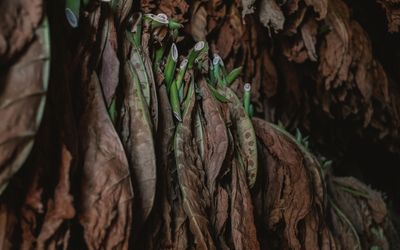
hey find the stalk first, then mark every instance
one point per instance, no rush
(194, 53)
(246, 98)
(136, 28)
(218, 70)
(170, 65)
(175, 104)
(233, 75)
(181, 73)
(158, 55)
(72, 8)
(156, 20)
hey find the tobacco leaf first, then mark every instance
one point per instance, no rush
(309, 34)
(22, 101)
(153, 105)
(148, 6)
(174, 9)
(244, 234)
(121, 8)
(8, 225)
(361, 212)
(191, 176)
(165, 164)
(60, 208)
(221, 213)
(18, 26)
(198, 22)
(271, 15)
(137, 138)
(137, 61)
(243, 132)
(247, 7)
(216, 136)
(109, 66)
(291, 192)
(180, 222)
(350, 85)
(106, 189)
(199, 134)
(319, 6)
(392, 14)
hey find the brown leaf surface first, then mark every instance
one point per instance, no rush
(106, 189)
(137, 138)
(360, 216)
(271, 16)
(109, 66)
(216, 136)
(22, 100)
(8, 222)
(244, 234)
(191, 177)
(18, 23)
(292, 192)
(392, 10)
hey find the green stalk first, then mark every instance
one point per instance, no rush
(181, 73)
(233, 75)
(218, 70)
(156, 20)
(158, 55)
(194, 53)
(173, 25)
(170, 66)
(136, 28)
(72, 8)
(251, 112)
(175, 104)
(246, 98)
(112, 110)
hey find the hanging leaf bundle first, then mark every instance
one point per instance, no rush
(167, 125)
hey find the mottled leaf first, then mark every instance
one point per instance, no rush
(191, 176)
(137, 138)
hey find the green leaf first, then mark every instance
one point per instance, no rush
(175, 104)
(233, 75)
(170, 66)
(220, 97)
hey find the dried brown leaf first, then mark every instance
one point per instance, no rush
(22, 100)
(106, 189)
(18, 25)
(137, 138)
(244, 234)
(271, 15)
(191, 176)
(216, 136)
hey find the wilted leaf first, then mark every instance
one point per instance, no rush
(271, 15)
(293, 191)
(242, 209)
(244, 134)
(106, 189)
(8, 222)
(18, 23)
(191, 176)
(362, 214)
(109, 66)
(22, 101)
(216, 136)
(137, 138)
